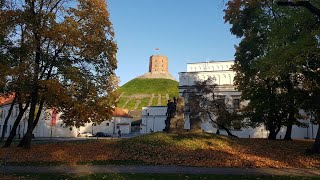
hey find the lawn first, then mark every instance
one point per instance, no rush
(187, 149)
(150, 86)
(142, 89)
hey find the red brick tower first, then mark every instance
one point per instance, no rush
(158, 64)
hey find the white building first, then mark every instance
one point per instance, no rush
(153, 119)
(223, 76)
(120, 120)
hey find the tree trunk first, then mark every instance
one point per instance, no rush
(195, 122)
(26, 141)
(35, 77)
(221, 126)
(291, 118)
(316, 146)
(4, 129)
(288, 133)
(15, 125)
(228, 131)
(23, 140)
(272, 135)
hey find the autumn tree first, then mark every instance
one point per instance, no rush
(269, 60)
(204, 104)
(63, 55)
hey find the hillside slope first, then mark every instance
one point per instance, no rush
(139, 92)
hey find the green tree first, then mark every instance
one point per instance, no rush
(311, 96)
(269, 60)
(59, 54)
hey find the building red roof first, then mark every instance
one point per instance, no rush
(118, 112)
(6, 99)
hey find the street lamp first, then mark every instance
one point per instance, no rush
(153, 122)
(93, 124)
(146, 121)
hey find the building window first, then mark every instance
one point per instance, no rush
(236, 103)
(108, 124)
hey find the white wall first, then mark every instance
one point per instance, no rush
(220, 72)
(44, 128)
(153, 118)
(110, 127)
(261, 132)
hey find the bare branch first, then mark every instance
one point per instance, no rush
(303, 3)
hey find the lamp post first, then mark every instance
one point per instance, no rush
(153, 122)
(146, 122)
(93, 124)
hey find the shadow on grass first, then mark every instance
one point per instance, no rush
(203, 149)
(184, 149)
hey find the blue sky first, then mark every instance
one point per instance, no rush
(184, 30)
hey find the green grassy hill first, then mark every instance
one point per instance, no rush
(138, 93)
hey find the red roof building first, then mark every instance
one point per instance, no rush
(118, 112)
(6, 99)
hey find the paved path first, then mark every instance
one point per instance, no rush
(80, 170)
